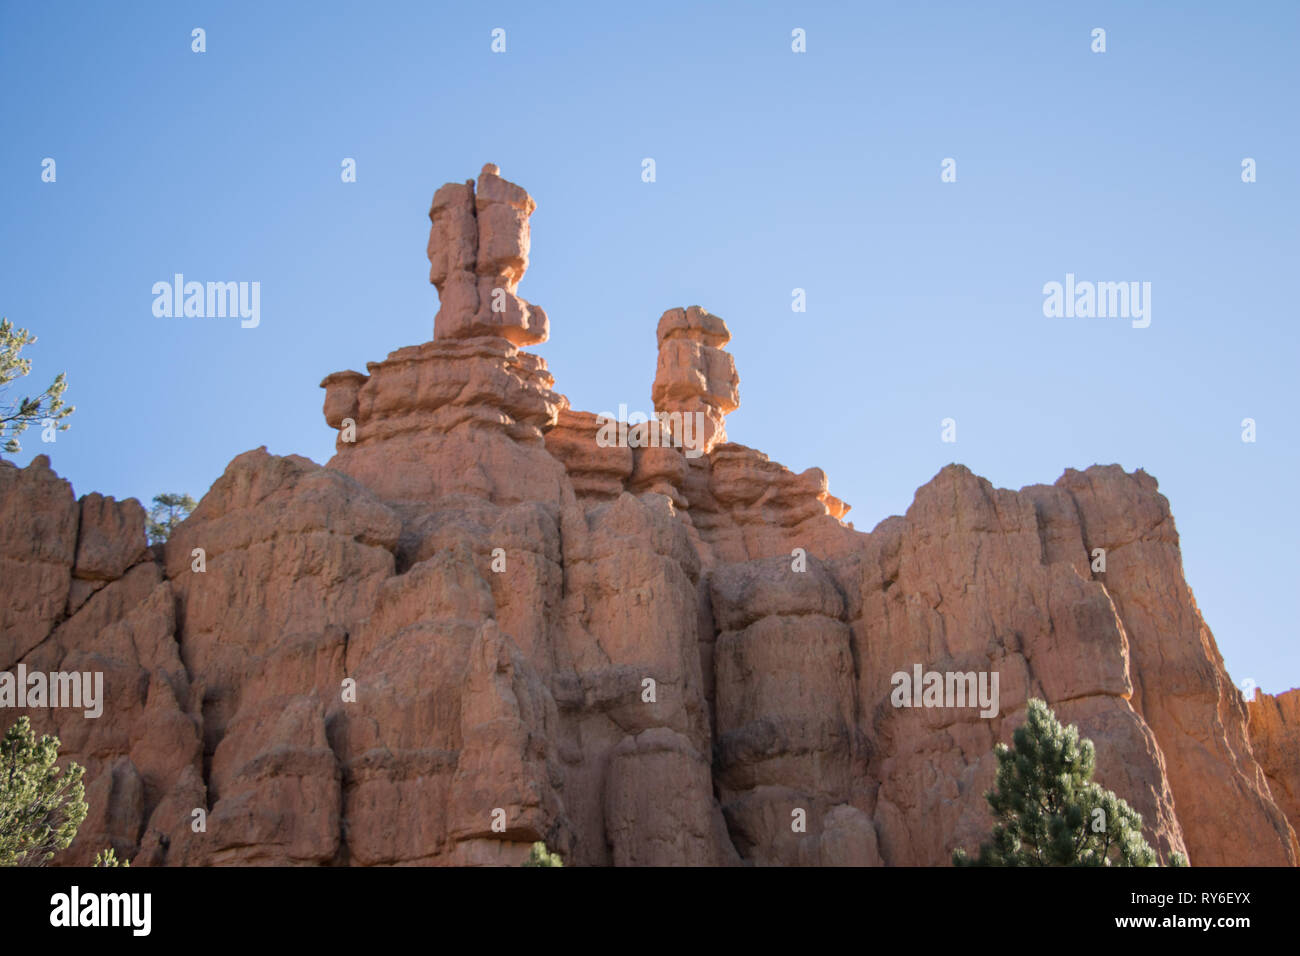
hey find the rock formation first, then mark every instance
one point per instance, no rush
(480, 625)
(695, 376)
(478, 252)
(1275, 736)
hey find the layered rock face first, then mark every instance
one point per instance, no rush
(485, 623)
(83, 594)
(1275, 734)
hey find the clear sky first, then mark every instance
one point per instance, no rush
(774, 171)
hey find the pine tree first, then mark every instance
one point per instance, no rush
(1048, 812)
(40, 805)
(540, 856)
(167, 512)
(45, 408)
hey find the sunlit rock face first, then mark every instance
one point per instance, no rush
(1275, 737)
(493, 619)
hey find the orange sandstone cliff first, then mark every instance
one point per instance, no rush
(479, 626)
(1275, 737)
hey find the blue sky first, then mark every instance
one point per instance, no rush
(775, 171)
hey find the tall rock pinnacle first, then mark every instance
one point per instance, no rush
(478, 252)
(694, 373)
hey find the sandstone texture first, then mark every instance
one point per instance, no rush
(482, 625)
(478, 252)
(1275, 735)
(695, 377)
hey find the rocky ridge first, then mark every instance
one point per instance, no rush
(479, 626)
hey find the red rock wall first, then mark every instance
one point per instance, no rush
(1275, 737)
(478, 626)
